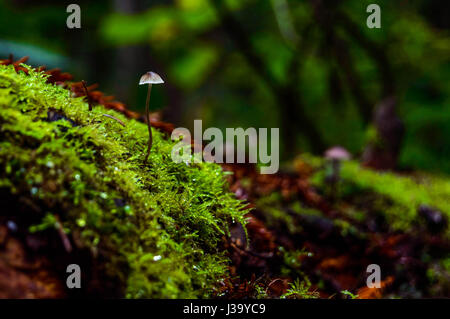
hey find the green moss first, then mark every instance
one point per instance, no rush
(279, 214)
(159, 225)
(300, 290)
(396, 197)
(406, 194)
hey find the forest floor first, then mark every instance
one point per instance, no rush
(304, 237)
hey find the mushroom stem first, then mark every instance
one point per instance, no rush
(335, 176)
(147, 115)
(149, 78)
(336, 167)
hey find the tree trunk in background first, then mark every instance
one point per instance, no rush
(133, 61)
(130, 61)
(383, 152)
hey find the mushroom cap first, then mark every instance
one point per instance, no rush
(337, 153)
(150, 78)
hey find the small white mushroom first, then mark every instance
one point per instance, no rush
(336, 154)
(149, 78)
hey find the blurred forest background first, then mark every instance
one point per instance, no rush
(312, 68)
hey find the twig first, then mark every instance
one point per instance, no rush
(65, 240)
(115, 118)
(87, 94)
(249, 252)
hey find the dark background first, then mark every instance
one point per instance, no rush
(312, 68)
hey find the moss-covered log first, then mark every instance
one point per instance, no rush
(77, 178)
